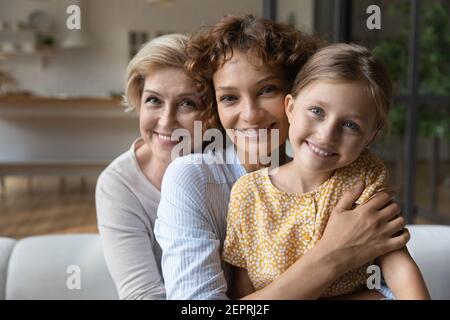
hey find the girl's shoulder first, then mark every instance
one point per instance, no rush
(366, 167)
(251, 179)
(366, 161)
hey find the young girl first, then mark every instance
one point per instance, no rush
(338, 106)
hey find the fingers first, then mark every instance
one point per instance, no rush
(396, 226)
(349, 197)
(379, 200)
(389, 212)
(398, 242)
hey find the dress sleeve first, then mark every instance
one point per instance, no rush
(127, 242)
(234, 245)
(374, 174)
(191, 263)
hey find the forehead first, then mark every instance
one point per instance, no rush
(347, 95)
(168, 79)
(242, 66)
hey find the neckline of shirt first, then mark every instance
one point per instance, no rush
(310, 194)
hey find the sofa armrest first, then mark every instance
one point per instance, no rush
(6, 247)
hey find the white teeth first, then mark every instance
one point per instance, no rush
(319, 151)
(250, 132)
(164, 137)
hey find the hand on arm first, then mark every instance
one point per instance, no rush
(369, 234)
(191, 258)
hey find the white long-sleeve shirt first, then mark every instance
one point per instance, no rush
(126, 204)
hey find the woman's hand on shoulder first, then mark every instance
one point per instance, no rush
(357, 236)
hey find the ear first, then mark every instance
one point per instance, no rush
(289, 107)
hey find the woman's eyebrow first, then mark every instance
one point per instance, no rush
(188, 94)
(224, 88)
(271, 77)
(151, 91)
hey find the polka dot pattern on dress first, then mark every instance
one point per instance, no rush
(268, 229)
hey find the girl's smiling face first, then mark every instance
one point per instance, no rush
(331, 122)
(250, 98)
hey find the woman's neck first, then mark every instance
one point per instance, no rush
(152, 167)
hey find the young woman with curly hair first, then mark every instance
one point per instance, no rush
(244, 68)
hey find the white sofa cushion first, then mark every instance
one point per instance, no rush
(430, 248)
(38, 268)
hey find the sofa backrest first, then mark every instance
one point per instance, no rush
(47, 267)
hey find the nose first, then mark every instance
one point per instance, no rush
(168, 117)
(251, 112)
(328, 133)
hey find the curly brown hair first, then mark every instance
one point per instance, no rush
(272, 44)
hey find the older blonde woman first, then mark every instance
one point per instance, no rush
(128, 190)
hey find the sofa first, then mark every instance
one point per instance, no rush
(73, 267)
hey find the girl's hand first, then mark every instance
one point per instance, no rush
(355, 237)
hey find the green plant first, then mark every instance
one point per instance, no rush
(434, 65)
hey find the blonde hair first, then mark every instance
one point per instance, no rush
(350, 62)
(164, 51)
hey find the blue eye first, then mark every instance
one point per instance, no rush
(351, 125)
(152, 100)
(317, 111)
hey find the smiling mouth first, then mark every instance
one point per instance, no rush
(254, 132)
(166, 138)
(320, 152)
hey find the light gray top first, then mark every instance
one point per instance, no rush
(127, 204)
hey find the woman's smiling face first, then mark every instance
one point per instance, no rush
(169, 101)
(251, 98)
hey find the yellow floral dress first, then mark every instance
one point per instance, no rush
(268, 229)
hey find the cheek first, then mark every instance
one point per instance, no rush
(296, 134)
(147, 120)
(353, 145)
(226, 117)
(299, 127)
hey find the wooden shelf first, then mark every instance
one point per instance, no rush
(19, 31)
(18, 53)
